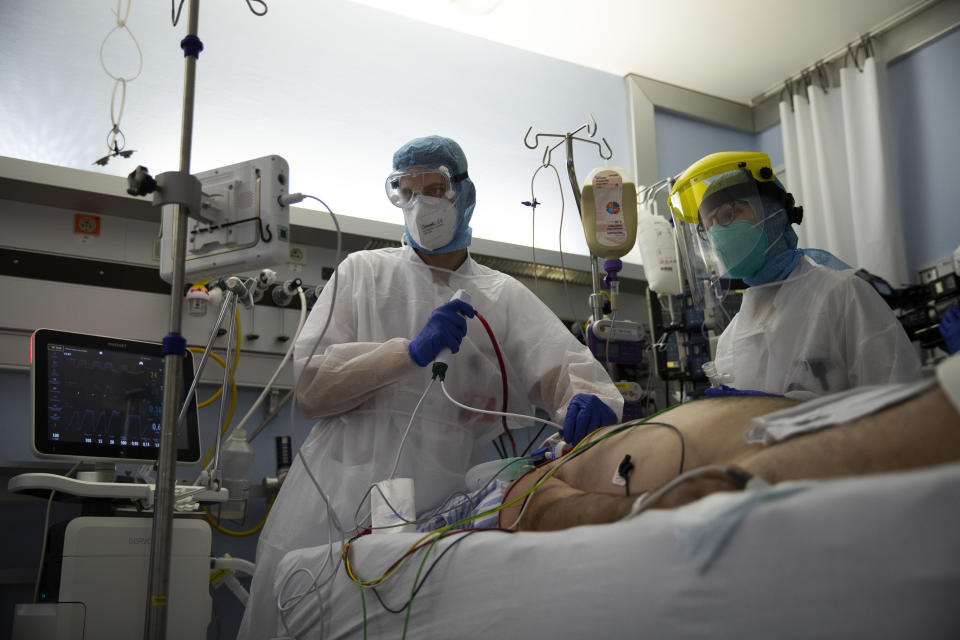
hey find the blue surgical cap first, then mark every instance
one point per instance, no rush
(437, 150)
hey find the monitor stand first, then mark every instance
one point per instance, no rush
(41, 484)
(102, 472)
(96, 583)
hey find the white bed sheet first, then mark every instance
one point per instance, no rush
(869, 557)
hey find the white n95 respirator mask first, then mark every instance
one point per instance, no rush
(431, 222)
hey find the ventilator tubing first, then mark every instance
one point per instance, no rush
(507, 469)
(609, 213)
(391, 504)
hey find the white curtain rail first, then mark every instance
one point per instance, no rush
(892, 22)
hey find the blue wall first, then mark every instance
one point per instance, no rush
(681, 141)
(925, 110)
(770, 141)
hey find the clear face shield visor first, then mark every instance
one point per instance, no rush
(719, 218)
(403, 187)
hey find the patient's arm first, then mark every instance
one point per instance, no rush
(920, 432)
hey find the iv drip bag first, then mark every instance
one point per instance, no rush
(658, 250)
(609, 212)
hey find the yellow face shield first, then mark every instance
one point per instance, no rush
(686, 196)
(721, 190)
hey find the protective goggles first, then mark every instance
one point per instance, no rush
(727, 205)
(403, 187)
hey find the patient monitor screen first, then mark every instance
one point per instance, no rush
(102, 398)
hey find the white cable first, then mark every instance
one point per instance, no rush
(298, 197)
(651, 369)
(533, 226)
(232, 332)
(499, 413)
(650, 498)
(336, 274)
(293, 414)
(396, 463)
(284, 605)
(46, 526)
(276, 373)
(606, 359)
(332, 521)
(563, 267)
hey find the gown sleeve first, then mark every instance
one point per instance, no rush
(343, 371)
(555, 366)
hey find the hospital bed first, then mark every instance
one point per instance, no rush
(864, 557)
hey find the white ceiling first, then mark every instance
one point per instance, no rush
(734, 49)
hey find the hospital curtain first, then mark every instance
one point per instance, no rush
(839, 167)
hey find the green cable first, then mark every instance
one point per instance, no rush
(413, 590)
(363, 602)
(439, 532)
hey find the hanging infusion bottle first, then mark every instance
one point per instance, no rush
(609, 212)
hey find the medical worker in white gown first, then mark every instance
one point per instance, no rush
(391, 316)
(807, 324)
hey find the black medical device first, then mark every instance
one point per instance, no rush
(97, 398)
(919, 306)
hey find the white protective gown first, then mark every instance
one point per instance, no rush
(818, 331)
(363, 387)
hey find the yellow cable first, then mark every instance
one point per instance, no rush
(230, 379)
(579, 448)
(233, 405)
(220, 360)
(233, 366)
(236, 342)
(237, 534)
(226, 423)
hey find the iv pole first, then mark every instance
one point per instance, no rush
(595, 305)
(174, 347)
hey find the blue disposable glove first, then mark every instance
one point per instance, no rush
(585, 413)
(950, 329)
(445, 328)
(723, 390)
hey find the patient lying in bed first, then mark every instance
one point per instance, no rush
(921, 431)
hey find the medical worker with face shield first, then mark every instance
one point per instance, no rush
(391, 317)
(807, 325)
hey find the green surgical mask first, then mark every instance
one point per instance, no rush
(741, 247)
